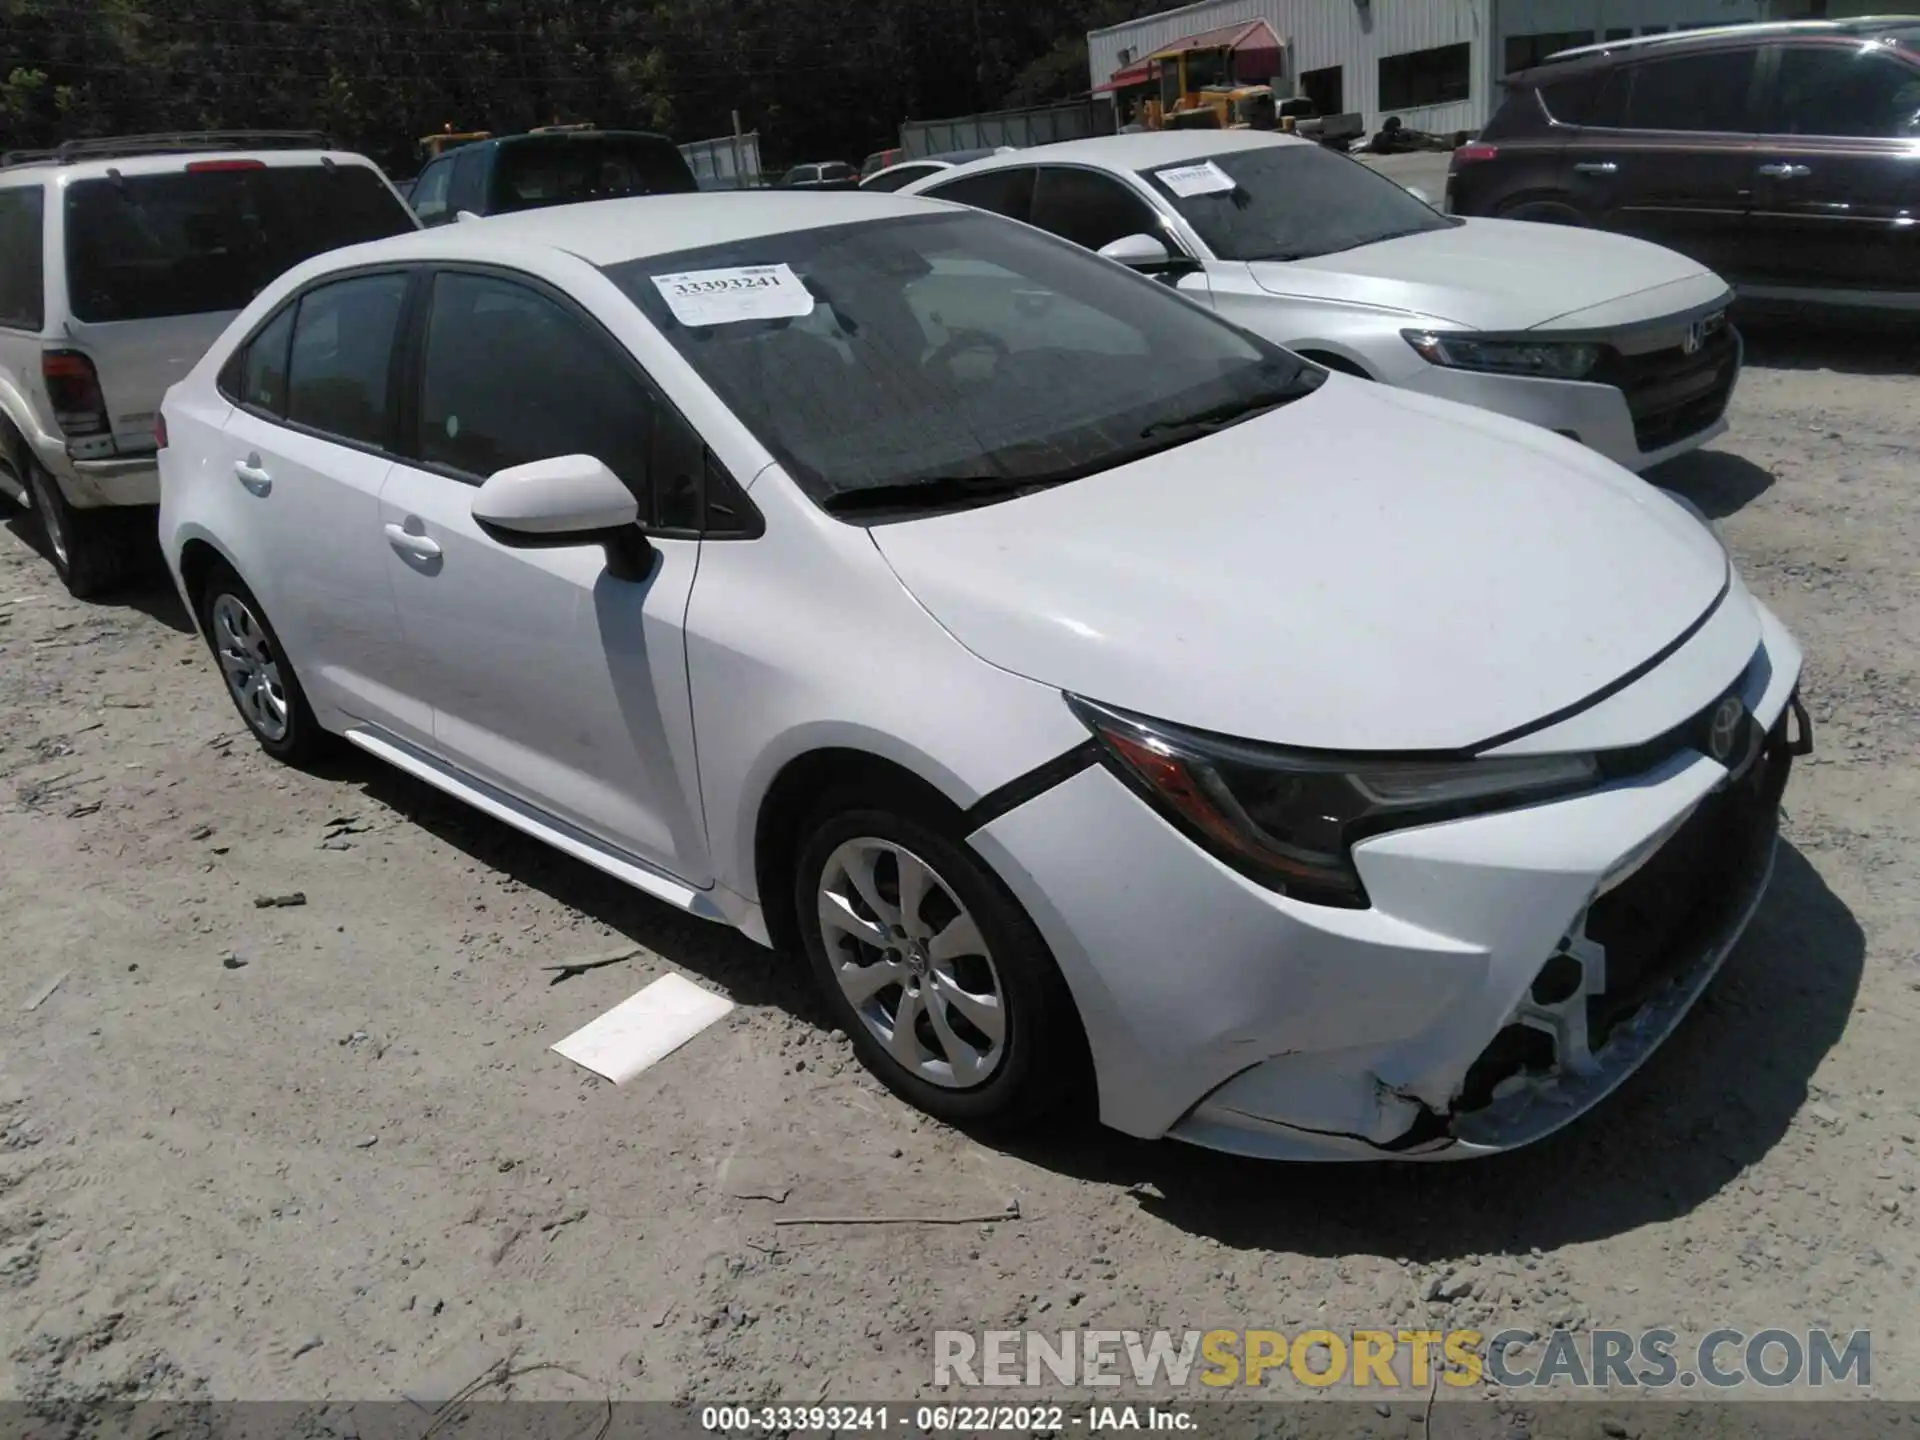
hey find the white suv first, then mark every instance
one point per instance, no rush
(120, 261)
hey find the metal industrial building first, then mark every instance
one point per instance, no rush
(1434, 63)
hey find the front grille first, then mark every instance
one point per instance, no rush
(1658, 921)
(1670, 393)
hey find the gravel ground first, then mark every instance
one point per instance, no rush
(322, 1150)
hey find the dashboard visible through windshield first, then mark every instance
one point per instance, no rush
(931, 363)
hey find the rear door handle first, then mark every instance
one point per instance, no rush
(252, 476)
(1785, 172)
(408, 543)
(1597, 167)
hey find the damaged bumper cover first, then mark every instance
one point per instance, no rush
(1514, 969)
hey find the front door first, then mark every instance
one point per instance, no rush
(550, 679)
(1668, 155)
(1838, 173)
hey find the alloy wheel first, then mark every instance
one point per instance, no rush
(911, 961)
(252, 669)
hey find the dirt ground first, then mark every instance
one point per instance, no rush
(323, 1150)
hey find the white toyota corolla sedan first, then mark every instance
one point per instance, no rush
(1619, 344)
(1084, 685)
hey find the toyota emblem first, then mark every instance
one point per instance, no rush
(1723, 733)
(1696, 338)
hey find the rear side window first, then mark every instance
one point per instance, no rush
(195, 242)
(564, 170)
(342, 349)
(1571, 101)
(466, 190)
(263, 372)
(22, 268)
(1005, 192)
(1845, 92)
(430, 190)
(1691, 92)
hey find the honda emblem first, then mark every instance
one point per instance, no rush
(1696, 338)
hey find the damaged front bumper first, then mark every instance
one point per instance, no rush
(1514, 970)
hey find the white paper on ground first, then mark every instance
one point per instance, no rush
(740, 292)
(1186, 181)
(644, 1028)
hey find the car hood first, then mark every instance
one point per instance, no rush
(1363, 569)
(1506, 275)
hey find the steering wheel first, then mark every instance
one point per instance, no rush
(960, 342)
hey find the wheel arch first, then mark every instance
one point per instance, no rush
(198, 555)
(1336, 358)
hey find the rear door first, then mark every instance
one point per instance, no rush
(1837, 172)
(157, 264)
(1667, 153)
(306, 449)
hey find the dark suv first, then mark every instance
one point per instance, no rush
(1787, 156)
(559, 165)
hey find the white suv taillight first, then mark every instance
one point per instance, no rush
(160, 431)
(79, 408)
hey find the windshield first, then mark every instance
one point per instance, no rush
(927, 362)
(1290, 202)
(197, 242)
(564, 169)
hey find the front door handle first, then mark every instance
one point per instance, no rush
(251, 475)
(1597, 167)
(1781, 171)
(408, 543)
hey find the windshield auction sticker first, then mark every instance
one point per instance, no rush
(1186, 181)
(699, 298)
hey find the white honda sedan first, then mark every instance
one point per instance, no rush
(1619, 344)
(1085, 686)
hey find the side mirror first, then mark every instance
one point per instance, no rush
(1417, 193)
(1137, 251)
(566, 501)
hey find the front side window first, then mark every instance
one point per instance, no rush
(1856, 93)
(1292, 201)
(342, 351)
(1426, 77)
(1089, 209)
(1706, 92)
(939, 361)
(1006, 192)
(899, 179)
(510, 376)
(430, 191)
(22, 267)
(195, 242)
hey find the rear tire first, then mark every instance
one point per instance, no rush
(259, 677)
(993, 1042)
(1545, 212)
(92, 551)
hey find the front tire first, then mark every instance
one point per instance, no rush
(260, 678)
(90, 550)
(932, 969)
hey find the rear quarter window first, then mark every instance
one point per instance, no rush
(22, 258)
(1571, 101)
(190, 243)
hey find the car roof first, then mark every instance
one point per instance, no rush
(1146, 151)
(1862, 26)
(611, 232)
(172, 162)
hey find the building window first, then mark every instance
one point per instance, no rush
(1526, 51)
(1427, 77)
(1323, 87)
(1624, 32)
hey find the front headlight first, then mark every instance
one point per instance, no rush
(1290, 819)
(1545, 359)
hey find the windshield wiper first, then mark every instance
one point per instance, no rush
(937, 492)
(1231, 413)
